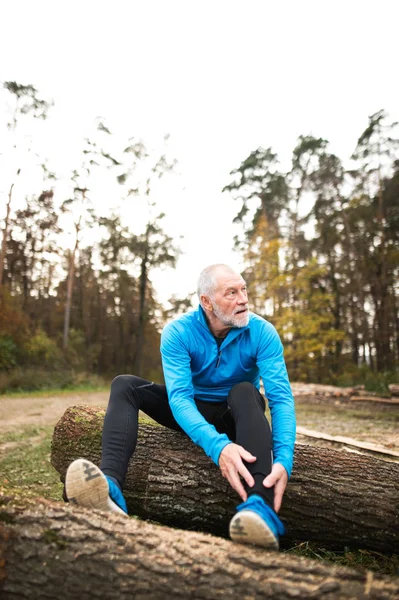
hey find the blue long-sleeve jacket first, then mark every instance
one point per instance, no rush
(194, 367)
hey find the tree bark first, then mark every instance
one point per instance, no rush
(4, 239)
(69, 290)
(49, 550)
(333, 498)
(138, 355)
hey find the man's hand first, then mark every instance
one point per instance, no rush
(231, 465)
(279, 479)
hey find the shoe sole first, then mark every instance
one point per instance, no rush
(86, 485)
(247, 527)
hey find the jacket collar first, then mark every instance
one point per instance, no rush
(232, 334)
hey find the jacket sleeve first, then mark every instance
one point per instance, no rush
(271, 364)
(178, 380)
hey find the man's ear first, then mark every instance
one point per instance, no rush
(206, 302)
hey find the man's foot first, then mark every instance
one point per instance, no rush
(86, 485)
(256, 523)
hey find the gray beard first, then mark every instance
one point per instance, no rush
(232, 321)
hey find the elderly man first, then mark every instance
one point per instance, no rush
(213, 359)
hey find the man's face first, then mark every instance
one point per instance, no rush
(230, 300)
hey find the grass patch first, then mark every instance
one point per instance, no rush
(21, 437)
(304, 411)
(26, 469)
(373, 425)
(29, 379)
(49, 392)
(360, 560)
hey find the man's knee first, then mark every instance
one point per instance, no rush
(244, 394)
(123, 383)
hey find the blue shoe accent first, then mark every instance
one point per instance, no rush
(115, 494)
(257, 505)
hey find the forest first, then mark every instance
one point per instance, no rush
(319, 241)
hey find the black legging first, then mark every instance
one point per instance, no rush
(241, 417)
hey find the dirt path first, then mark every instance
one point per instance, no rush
(18, 413)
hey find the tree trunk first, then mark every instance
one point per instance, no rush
(69, 292)
(49, 550)
(396, 321)
(334, 498)
(138, 355)
(4, 239)
(336, 310)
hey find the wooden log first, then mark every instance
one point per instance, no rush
(333, 498)
(376, 399)
(394, 389)
(349, 443)
(49, 550)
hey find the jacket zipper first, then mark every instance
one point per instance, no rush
(219, 357)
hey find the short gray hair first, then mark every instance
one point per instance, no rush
(207, 281)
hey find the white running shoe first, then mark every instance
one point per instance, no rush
(86, 485)
(247, 527)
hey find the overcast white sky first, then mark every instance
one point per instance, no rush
(222, 77)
